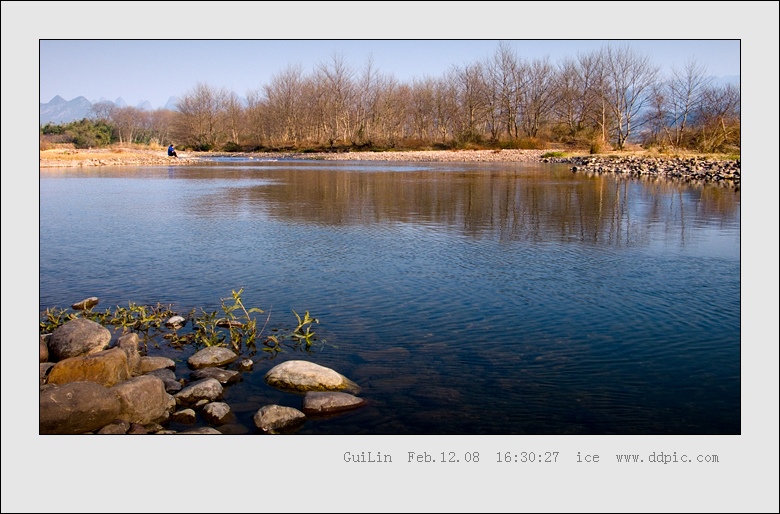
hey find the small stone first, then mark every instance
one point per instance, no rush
(85, 304)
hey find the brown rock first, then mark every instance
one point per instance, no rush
(107, 368)
(129, 344)
(44, 351)
(143, 400)
(76, 408)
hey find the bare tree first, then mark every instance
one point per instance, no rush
(201, 114)
(537, 94)
(161, 123)
(422, 108)
(234, 117)
(127, 123)
(255, 118)
(284, 105)
(470, 82)
(578, 95)
(684, 91)
(630, 77)
(103, 110)
(334, 79)
(504, 79)
(718, 119)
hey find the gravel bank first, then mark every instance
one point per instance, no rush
(692, 170)
(425, 156)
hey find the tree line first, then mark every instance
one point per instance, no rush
(601, 99)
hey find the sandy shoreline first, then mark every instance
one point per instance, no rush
(119, 157)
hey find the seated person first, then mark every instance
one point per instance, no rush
(172, 152)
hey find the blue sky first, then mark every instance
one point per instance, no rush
(154, 70)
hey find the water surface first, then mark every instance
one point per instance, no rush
(464, 298)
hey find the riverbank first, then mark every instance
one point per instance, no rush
(133, 156)
(699, 168)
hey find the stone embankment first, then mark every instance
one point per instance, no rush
(690, 170)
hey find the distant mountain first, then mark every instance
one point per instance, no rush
(171, 104)
(58, 110)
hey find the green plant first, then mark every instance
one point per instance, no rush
(235, 326)
(302, 332)
(54, 317)
(242, 328)
(553, 154)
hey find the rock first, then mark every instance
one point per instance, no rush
(137, 429)
(169, 379)
(147, 364)
(218, 413)
(202, 431)
(317, 403)
(277, 419)
(186, 416)
(44, 350)
(45, 369)
(116, 428)
(76, 408)
(211, 356)
(225, 376)
(85, 304)
(175, 322)
(301, 376)
(163, 373)
(107, 368)
(78, 337)
(143, 400)
(129, 344)
(208, 389)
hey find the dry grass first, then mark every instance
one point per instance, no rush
(137, 154)
(70, 154)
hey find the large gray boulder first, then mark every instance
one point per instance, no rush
(277, 419)
(211, 356)
(301, 376)
(78, 337)
(208, 389)
(76, 408)
(218, 413)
